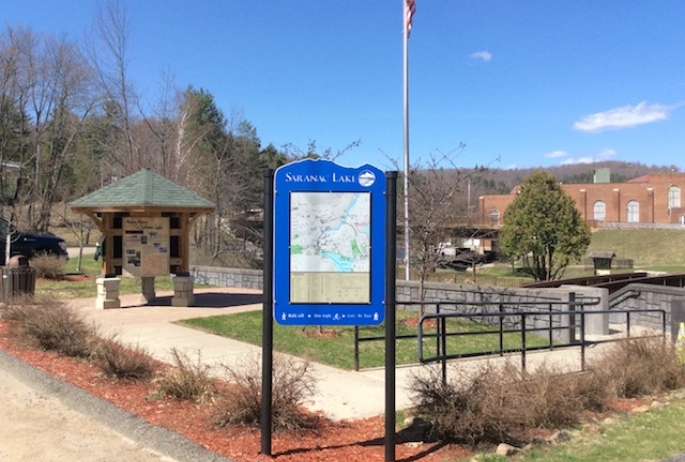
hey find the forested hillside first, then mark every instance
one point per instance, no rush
(500, 181)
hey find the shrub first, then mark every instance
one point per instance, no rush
(240, 403)
(637, 367)
(555, 398)
(19, 308)
(502, 404)
(48, 266)
(122, 362)
(475, 409)
(52, 325)
(187, 380)
(498, 404)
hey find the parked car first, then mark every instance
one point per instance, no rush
(30, 244)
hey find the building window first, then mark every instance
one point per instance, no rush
(599, 211)
(633, 212)
(494, 217)
(673, 197)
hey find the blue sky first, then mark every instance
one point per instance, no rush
(521, 84)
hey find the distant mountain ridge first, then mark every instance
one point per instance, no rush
(501, 181)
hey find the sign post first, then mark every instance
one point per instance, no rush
(390, 316)
(267, 315)
(332, 261)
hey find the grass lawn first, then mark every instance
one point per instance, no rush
(62, 290)
(334, 345)
(654, 435)
(85, 289)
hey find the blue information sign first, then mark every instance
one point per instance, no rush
(329, 244)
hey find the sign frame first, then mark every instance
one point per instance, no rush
(317, 177)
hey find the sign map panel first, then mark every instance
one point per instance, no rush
(330, 247)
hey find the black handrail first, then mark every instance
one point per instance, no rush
(442, 355)
(439, 305)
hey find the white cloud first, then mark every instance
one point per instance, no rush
(602, 155)
(484, 55)
(511, 167)
(624, 117)
(606, 154)
(556, 154)
(580, 160)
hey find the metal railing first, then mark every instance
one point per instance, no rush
(465, 306)
(508, 321)
(441, 335)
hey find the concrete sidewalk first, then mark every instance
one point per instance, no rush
(341, 395)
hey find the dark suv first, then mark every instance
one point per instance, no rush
(30, 244)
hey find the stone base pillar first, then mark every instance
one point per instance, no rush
(147, 285)
(107, 293)
(183, 291)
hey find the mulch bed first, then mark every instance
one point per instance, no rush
(352, 441)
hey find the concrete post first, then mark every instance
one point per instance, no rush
(677, 318)
(107, 293)
(147, 285)
(595, 324)
(183, 291)
(678, 327)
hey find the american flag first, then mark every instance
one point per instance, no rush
(410, 9)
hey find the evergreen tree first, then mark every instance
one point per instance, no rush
(543, 229)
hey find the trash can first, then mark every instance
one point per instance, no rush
(18, 279)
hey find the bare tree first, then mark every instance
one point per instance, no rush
(163, 133)
(45, 100)
(437, 204)
(71, 104)
(14, 123)
(108, 49)
(434, 205)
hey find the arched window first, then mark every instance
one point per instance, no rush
(673, 197)
(633, 215)
(599, 211)
(494, 217)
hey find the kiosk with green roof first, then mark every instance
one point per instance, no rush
(145, 220)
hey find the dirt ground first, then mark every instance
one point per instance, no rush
(45, 420)
(60, 433)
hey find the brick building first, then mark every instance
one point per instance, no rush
(652, 200)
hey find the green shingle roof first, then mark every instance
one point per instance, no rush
(143, 189)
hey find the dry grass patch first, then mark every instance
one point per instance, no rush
(48, 266)
(241, 402)
(121, 362)
(188, 380)
(51, 325)
(638, 367)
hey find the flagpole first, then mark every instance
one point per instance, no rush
(406, 14)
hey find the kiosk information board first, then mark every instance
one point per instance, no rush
(146, 246)
(329, 245)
